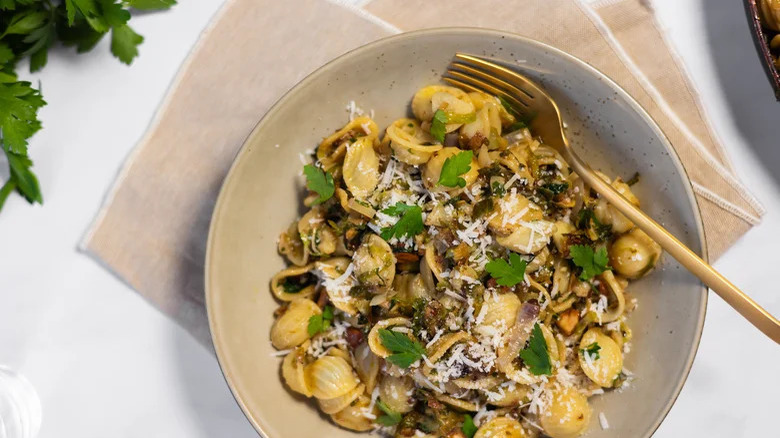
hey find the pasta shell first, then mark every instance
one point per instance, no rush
(396, 393)
(429, 99)
(487, 119)
(440, 347)
(353, 417)
(333, 148)
(337, 279)
(458, 404)
(409, 287)
(410, 143)
(317, 237)
(367, 366)
(508, 395)
(293, 371)
(618, 307)
(560, 230)
(374, 262)
(374, 342)
(604, 366)
(291, 246)
(361, 168)
(503, 427)
(634, 254)
(433, 261)
(333, 405)
(513, 210)
(432, 170)
(290, 329)
(477, 382)
(330, 377)
(293, 276)
(501, 310)
(528, 238)
(567, 416)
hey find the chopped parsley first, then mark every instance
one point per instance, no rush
(536, 355)
(586, 217)
(320, 182)
(556, 188)
(410, 224)
(498, 189)
(405, 350)
(454, 167)
(290, 287)
(468, 428)
(592, 262)
(507, 274)
(391, 417)
(592, 351)
(320, 323)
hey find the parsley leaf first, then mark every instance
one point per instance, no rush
(151, 5)
(409, 225)
(405, 350)
(28, 28)
(320, 182)
(124, 43)
(391, 417)
(592, 262)
(468, 428)
(320, 323)
(19, 104)
(507, 274)
(439, 125)
(454, 167)
(592, 350)
(536, 355)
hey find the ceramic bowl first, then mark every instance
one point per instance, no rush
(262, 195)
(761, 37)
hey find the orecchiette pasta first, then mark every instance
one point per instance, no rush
(455, 266)
(501, 427)
(330, 377)
(290, 329)
(568, 414)
(600, 357)
(361, 168)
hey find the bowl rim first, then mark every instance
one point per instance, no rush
(761, 42)
(392, 39)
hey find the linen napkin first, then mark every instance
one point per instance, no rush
(152, 230)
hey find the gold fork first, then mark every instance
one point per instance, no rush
(474, 73)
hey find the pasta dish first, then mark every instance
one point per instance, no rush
(452, 277)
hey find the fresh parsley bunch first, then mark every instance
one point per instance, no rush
(28, 28)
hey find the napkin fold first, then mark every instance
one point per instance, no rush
(151, 231)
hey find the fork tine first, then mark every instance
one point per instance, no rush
(529, 87)
(480, 85)
(494, 79)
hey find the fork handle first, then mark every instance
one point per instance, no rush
(737, 299)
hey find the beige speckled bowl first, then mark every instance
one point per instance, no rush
(262, 193)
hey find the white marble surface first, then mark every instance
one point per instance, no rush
(108, 364)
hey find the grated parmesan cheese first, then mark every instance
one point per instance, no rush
(603, 421)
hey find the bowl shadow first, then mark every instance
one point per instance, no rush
(751, 102)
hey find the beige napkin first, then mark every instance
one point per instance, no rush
(152, 230)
